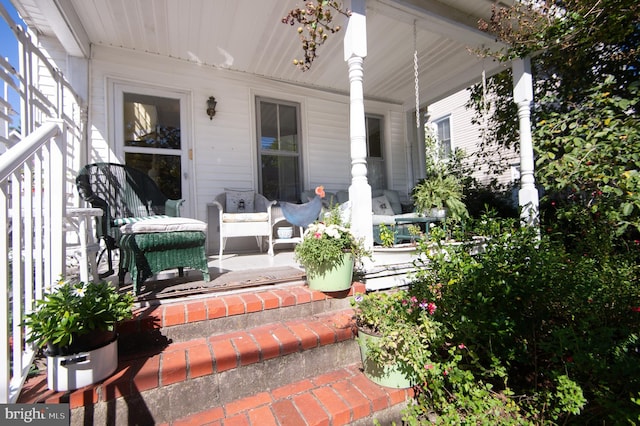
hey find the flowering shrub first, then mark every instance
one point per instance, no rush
(423, 350)
(71, 310)
(552, 320)
(409, 334)
(324, 244)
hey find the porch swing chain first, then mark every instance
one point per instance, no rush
(415, 73)
(485, 106)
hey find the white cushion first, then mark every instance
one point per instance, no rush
(245, 217)
(394, 200)
(124, 220)
(164, 224)
(237, 197)
(379, 219)
(381, 206)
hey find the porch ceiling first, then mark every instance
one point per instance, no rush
(248, 36)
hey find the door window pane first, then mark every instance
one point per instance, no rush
(152, 141)
(165, 170)
(151, 121)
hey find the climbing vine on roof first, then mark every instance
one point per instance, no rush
(315, 25)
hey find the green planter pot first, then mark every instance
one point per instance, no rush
(384, 375)
(336, 279)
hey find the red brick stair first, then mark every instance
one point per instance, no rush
(283, 356)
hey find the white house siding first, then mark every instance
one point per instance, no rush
(48, 87)
(467, 136)
(224, 149)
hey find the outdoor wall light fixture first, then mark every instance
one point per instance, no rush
(211, 107)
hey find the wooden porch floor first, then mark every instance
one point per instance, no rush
(248, 271)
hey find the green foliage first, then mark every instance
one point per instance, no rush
(440, 191)
(75, 309)
(591, 156)
(584, 63)
(324, 243)
(409, 334)
(553, 320)
(414, 230)
(387, 235)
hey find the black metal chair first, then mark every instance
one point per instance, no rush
(124, 194)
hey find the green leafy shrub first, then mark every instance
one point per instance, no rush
(72, 310)
(553, 324)
(387, 235)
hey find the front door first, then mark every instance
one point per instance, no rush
(152, 138)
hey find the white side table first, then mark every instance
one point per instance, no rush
(81, 219)
(278, 218)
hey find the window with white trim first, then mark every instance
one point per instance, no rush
(279, 158)
(443, 135)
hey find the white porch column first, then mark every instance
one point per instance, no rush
(523, 97)
(355, 50)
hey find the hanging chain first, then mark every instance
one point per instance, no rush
(415, 73)
(485, 105)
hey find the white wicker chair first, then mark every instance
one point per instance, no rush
(256, 223)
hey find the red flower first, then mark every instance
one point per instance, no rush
(636, 309)
(431, 308)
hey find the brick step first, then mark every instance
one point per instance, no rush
(159, 380)
(193, 317)
(339, 397)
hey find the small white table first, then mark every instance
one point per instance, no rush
(278, 218)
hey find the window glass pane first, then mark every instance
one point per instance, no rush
(444, 137)
(165, 170)
(280, 177)
(288, 128)
(374, 137)
(268, 125)
(151, 121)
(376, 173)
(279, 159)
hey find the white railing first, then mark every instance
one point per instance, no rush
(32, 209)
(37, 181)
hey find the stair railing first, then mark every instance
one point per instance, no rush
(32, 242)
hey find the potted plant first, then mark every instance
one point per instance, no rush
(76, 322)
(328, 251)
(397, 336)
(440, 195)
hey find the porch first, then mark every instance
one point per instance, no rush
(252, 271)
(57, 138)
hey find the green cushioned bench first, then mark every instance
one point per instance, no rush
(153, 245)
